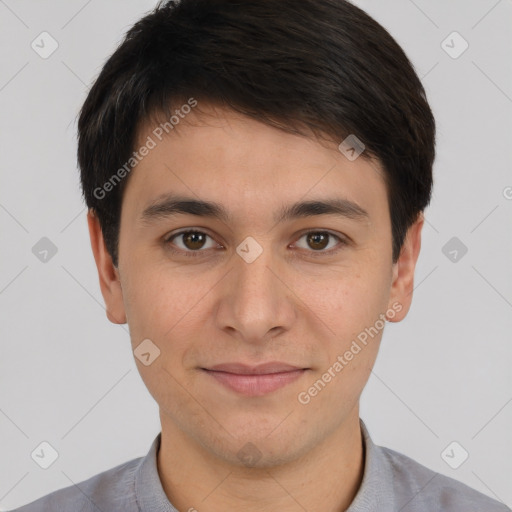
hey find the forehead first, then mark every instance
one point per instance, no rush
(220, 155)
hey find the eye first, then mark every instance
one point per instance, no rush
(318, 241)
(189, 242)
(192, 242)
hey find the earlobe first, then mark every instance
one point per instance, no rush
(108, 275)
(403, 272)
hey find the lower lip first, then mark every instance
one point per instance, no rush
(255, 385)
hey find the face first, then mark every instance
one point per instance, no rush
(260, 275)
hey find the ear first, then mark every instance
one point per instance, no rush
(110, 283)
(403, 271)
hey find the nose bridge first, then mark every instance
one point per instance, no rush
(255, 286)
(255, 301)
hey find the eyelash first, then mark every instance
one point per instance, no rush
(342, 242)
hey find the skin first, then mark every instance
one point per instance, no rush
(293, 304)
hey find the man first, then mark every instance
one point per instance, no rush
(256, 174)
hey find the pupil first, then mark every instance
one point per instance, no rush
(194, 240)
(318, 238)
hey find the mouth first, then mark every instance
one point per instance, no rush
(254, 380)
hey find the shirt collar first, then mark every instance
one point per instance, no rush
(149, 492)
(375, 493)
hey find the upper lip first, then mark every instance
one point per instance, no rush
(260, 369)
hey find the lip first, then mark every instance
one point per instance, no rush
(260, 369)
(255, 380)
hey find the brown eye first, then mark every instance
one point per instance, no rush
(190, 241)
(319, 241)
(193, 240)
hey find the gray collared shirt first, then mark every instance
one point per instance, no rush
(392, 482)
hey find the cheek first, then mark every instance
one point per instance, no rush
(347, 361)
(347, 301)
(151, 295)
(350, 308)
(167, 308)
(162, 310)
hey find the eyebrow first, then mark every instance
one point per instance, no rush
(170, 205)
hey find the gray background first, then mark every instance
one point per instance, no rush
(67, 375)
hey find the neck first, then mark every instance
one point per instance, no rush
(325, 478)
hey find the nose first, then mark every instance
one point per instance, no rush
(256, 302)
